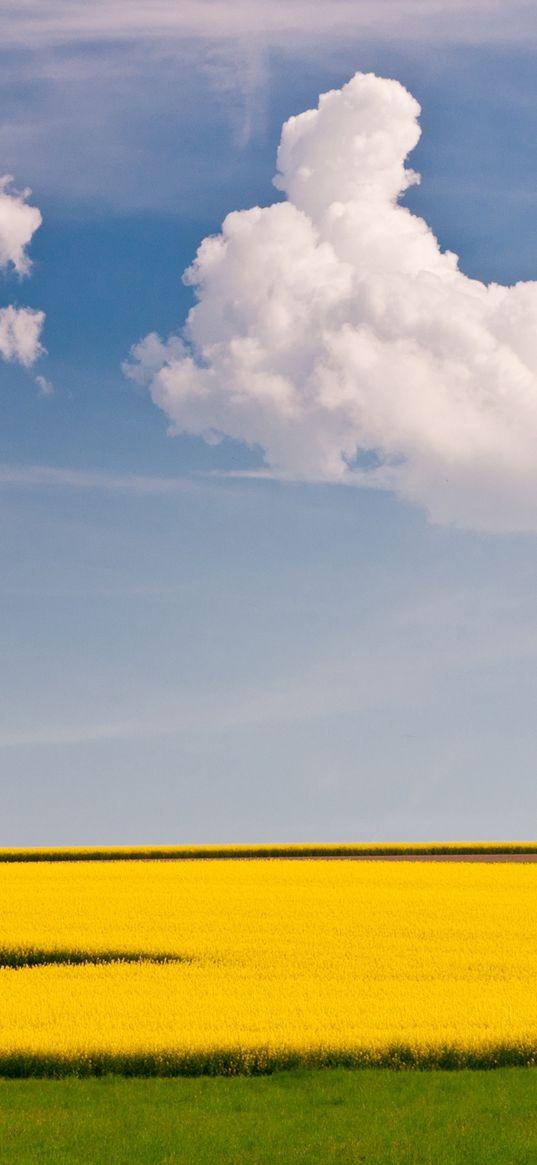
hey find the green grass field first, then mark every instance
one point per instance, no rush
(377, 1117)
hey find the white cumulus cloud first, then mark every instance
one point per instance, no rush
(332, 332)
(20, 328)
(18, 222)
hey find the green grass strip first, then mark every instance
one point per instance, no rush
(295, 1118)
(208, 852)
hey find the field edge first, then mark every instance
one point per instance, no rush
(261, 1062)
(291, 850)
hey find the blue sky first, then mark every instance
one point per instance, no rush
(195, 656)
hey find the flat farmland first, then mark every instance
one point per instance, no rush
(158, 967)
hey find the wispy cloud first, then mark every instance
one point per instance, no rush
(81, 479)
(415, 661)
(65, 734)
(38, 22)
(106, 84)
(46, 388)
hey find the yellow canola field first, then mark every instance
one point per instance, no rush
(278, 962)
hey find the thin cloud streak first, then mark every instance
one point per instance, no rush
(130, 483)
(381, 478)
(35, 23)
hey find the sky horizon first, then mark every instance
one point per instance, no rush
(269, 527)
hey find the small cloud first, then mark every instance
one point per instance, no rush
(20, 328)
(46, 388)
(18, 222)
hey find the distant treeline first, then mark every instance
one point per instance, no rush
(308, 850)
